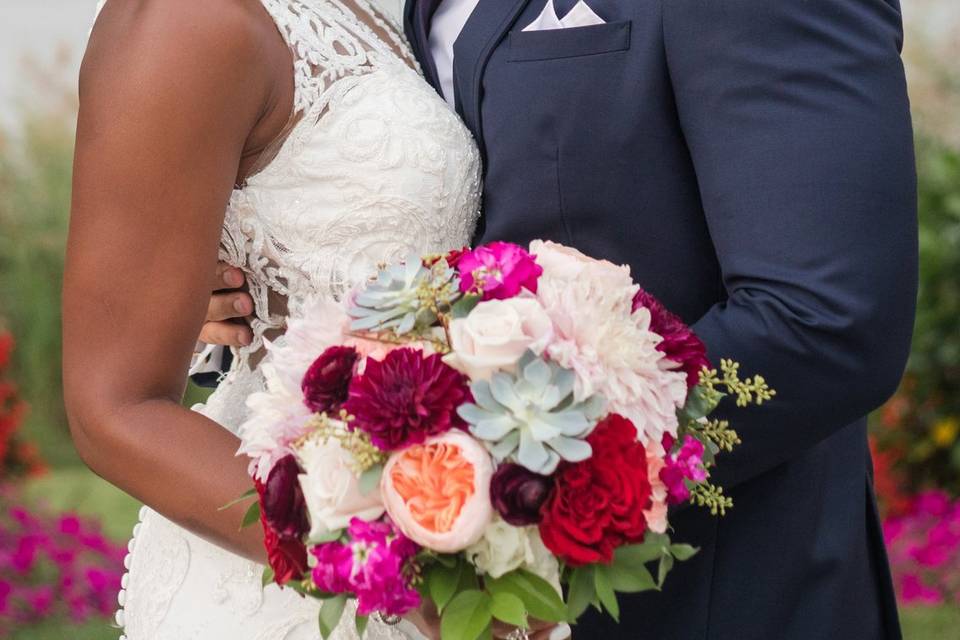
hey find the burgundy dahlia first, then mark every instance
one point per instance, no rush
(327, 381)
(406, 397)
(679, 343)
(281, 500)
(518, 494)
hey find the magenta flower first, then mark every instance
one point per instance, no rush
(680, 344)
(518, 494)
(327, 381)
(406, 397)
(498, 271)
(374, 565)
(685, 464)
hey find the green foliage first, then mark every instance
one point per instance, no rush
(920, 426)
(331, 610)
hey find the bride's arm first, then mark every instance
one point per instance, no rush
(170, 94)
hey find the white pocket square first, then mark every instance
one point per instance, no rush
(580, 16)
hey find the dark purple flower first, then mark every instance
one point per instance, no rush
(282, 501)
(406, 397)
(498, 270)
(679, 343)
(327, 381)
(517, 494)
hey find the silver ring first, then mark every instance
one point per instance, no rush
(518, 634)
(389, 620)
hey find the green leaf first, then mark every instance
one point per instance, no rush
(252, 515)
(683, 551)
(634, 579)
(539, 597)
(467, 616)
(330, 613)
(468, 579)
(601, 580)
(508, 608)
(370, 479)
(246, 495)
(442, 583)
(636, 555)
(268, 576)
(697, 405)
(581, 592)
(465, 305)
(666, 564)
(361, 623)
(329, 536)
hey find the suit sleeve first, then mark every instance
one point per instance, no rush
(797, 121)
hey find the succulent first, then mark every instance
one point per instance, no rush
(405, 297)
(532, 417)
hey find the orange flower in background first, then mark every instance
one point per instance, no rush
(438, 492)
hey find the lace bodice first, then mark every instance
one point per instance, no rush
(376, 168)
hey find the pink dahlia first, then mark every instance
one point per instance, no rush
(498, 271)
(406, 397)
(680, 344)
(680, 466)
(327, 381)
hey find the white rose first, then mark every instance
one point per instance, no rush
(330, 488)
(504, 548)
(495, 335)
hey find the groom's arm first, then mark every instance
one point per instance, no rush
(797, 121)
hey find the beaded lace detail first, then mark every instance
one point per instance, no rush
(376, 167)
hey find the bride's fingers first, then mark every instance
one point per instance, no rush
(228, 334)
(229, 306)
(227, 277)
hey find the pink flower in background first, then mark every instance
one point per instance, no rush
(685, 464)
(923, 545)
(54, 566)
(499, 270)
(679, 343)
(373, 565)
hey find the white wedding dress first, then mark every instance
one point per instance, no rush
(377, 167)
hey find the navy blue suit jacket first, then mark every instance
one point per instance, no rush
(752, 161)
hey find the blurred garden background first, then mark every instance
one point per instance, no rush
(63, 531)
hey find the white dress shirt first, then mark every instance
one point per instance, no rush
(448, 22)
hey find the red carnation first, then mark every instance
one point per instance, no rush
(327, 381)
(679, 343)
(597, 505)
(287, 557)
(406, 397)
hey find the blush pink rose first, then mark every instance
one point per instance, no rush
(438, 492)
(496, 334)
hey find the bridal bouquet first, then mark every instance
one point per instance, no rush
(499, 431)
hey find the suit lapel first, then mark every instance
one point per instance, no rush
(416, 24)
(484, 30)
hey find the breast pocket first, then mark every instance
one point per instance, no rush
(526, 46)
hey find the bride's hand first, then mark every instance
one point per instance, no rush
(427, 621)
(229, 305)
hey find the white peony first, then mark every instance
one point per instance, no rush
(610, 348)
(504, 548)
(331, 487)
(495, 334)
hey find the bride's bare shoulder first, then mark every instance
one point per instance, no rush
(182, 35)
